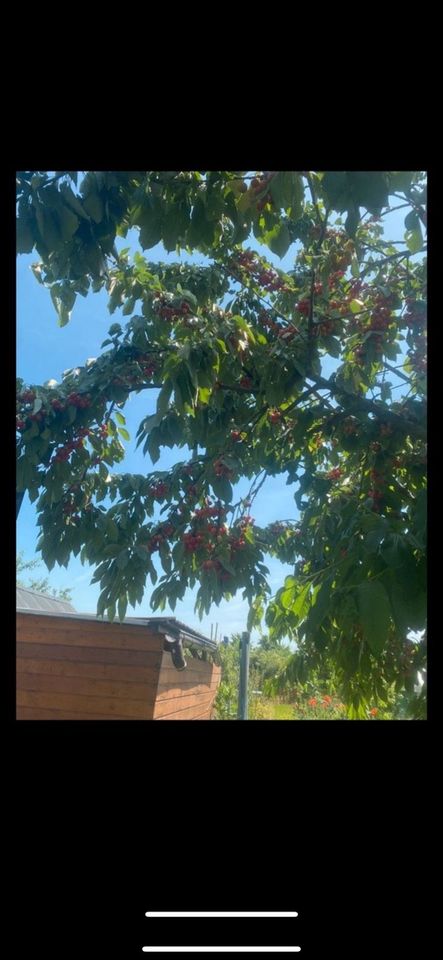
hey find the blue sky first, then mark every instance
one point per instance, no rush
(45, 350)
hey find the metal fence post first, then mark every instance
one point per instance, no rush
(244, 676)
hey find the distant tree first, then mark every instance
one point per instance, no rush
(268, 659)
(42, 584)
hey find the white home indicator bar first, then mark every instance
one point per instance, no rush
(221, 949)
(214, 913)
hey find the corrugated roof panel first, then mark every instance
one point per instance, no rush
(31, 600)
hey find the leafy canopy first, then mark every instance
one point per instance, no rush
(316, 374)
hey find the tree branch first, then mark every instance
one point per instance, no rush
(371, 406)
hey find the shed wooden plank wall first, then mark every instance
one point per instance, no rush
(186, 694)
(70, 669)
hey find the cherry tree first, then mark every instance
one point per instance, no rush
(316, 374)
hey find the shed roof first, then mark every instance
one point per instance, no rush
(28, 601)
(31, 600)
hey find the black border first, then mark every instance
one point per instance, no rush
(111, 820)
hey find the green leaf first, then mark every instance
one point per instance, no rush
(165, 557)
(412, 220)
(111, 529)
(119, 417)
(115, 329)
(63, 298)
(122, 606)
(391, 350)
(320, 604)
(332, 345)
(421, 507)
(287, 598)
(414, 239)
(190, 298)
(93, 204)
(68, 222)
(152, 446)
(170, 230)
(375, 614)
(369, 189)
(72, 201)
(174, 226)
(123, 559)
(124, 433)
(287, 192)
(222, 488)
(336, 187)
(356, 306)
(111, 612)
(24, 236)
(385, 390)
(278, 240)
(409, 609)
(355, 268)
(301, 604)
(352, 222)
(48, 227)
(163, 399)
(150, 232)
(400, 180)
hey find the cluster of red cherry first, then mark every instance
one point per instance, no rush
(258, 184)
(265, 276)
(285, 333)
(376, 493)
(159, 490)
(334, 474)
(162, 534)
(64, 452)
(221, 470)
(57, 405)
(167, 309)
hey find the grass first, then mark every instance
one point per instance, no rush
(282, 711)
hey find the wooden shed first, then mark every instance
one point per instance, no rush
(72, 666)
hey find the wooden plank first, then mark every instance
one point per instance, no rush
(183, 680)
(86, 686)
(76, 703)
(89, 654)
(166, 688)
(38, 713)
(193, 663)
(100, 671)
(172, 677)
(168, 693)
(178, 704)
(198, 676)
(86, 633)
(190, 713)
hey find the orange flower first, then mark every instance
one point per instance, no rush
(327, 699)
(373, 712)
(312, 702)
